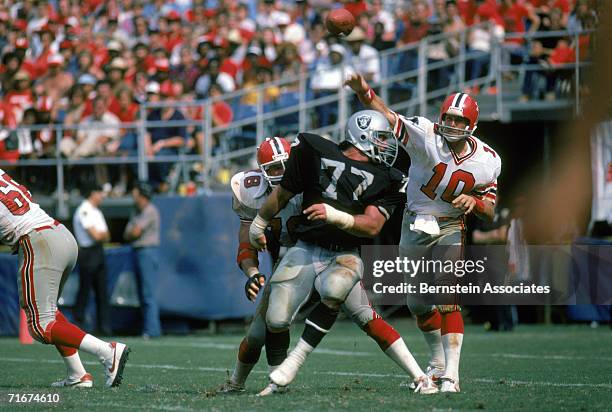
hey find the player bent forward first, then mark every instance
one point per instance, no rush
(47, 255)
(349, 190)
(250, 189)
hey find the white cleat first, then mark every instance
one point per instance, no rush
(113, 366)
(434, 373)
(286, 371)
(449, 385)
(272, 389)
(85, 381)
(425, 385)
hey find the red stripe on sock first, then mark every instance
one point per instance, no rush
(452, 323)
(381, 332)
(65, 334)
(430, 321)
(247, 353)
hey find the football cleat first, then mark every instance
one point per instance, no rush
(425, 385)
(113, 366)
(230, 387)
(449, 385)
(85, 381)
(286, 371)
(271, 389)
(434, 373)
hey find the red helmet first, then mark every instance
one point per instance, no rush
(272, 152)
(458, 104)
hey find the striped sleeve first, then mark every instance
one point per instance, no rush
(487, 192)
(399, 129)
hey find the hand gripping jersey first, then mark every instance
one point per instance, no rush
(250, 191)
(438, 175)
(19, 215)
(319, 170)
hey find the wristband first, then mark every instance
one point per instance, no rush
(480, 206)
(368, 96)
(257, 228)
(338, 218)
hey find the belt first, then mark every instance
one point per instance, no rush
(51, 226)
(440, 218)
(335, 247)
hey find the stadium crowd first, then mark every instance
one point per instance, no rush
(68, 62)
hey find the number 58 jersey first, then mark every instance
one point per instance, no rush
(19, 215)
(438, 175)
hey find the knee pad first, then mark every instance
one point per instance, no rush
(338, 283)
(277, 321)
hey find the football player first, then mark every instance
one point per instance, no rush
(348, 192)
(250, 189)
(47, 255)
(453, 173)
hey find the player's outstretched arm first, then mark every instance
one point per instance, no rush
(275, 201)
(367, 224)
(367, 96)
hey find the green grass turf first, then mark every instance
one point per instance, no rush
(533, 368)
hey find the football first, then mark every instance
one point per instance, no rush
(340, 21)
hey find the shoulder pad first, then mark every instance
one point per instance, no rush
(249, 188)
(318, 143)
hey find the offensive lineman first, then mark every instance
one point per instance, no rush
(349, 190)
(250, 189)
(47, 255)
(452, 173)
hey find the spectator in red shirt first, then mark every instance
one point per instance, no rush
(20, 97)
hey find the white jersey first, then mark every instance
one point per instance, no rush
(437, 175)
(250, 190)
(19, 215)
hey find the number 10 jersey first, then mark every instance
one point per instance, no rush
(437, 175)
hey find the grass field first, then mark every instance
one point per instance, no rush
(533, 368)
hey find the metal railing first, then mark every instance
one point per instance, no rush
(408, 89)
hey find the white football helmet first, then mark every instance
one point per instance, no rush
(370, 132)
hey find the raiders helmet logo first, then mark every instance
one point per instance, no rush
(364, 121)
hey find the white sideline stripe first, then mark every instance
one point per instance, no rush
(333, 373)
(132, 406)
(551, 357)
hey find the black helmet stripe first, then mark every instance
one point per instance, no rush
(457, 100)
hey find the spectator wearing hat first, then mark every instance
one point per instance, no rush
(362, 57)
(115, 74)
(164, 140)
(328, 77)
(20, 96)
(143, 233)
(57, 81)
(21, 49)
(91, 231)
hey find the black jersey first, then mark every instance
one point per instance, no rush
(318, 169)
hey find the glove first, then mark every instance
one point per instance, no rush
(253, 280)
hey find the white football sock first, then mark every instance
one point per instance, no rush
(434, 340)
(241, 372)
(301, 351)
(74, 366)
(399, 353)
(96, 347)
(452, 350)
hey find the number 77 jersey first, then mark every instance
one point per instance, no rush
(438, 175)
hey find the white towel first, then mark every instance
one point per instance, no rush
(425, 223)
